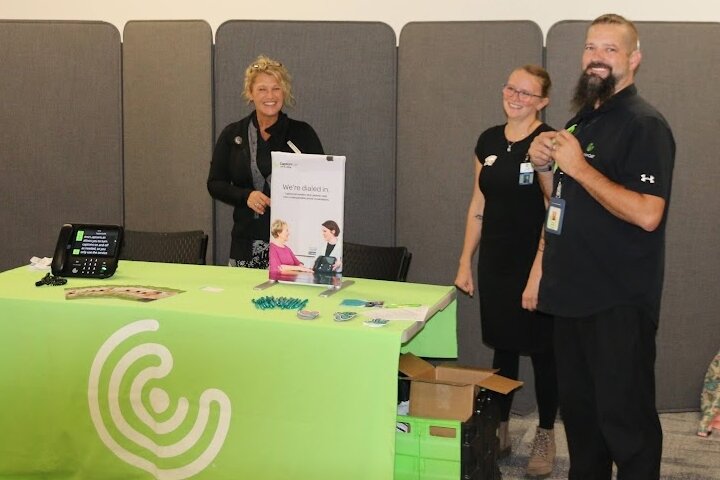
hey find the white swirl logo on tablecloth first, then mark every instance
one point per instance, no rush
(159, 401)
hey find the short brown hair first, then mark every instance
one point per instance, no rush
(332, 226)
(615, 19)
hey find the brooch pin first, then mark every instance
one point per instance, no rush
(489, 160)
(344, 316)
(376, 322)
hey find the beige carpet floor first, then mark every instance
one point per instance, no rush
(686, 456)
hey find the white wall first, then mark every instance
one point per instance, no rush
(395, 13)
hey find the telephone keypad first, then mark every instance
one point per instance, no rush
(90, 266)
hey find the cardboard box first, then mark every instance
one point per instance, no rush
(448, 391)
(437, 449)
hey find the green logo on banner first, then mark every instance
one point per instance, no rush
(168, 445)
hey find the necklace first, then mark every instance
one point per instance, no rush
(529, 130)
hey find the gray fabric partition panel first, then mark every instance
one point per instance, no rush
(450, 76)
(344, 81)
(60, 132)
(168, 125)
(678, 61)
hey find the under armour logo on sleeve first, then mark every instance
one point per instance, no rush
(647, 178)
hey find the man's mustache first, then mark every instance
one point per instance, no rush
(597, 65)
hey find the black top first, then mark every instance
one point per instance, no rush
(600, 261)
(230, 179)
(512, 221)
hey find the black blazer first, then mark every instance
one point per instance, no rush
(230, 179)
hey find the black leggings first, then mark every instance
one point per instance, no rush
(546, 390)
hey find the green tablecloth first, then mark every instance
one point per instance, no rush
(201, 385)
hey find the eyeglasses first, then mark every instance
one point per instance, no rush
(265, 66)
(524, 96)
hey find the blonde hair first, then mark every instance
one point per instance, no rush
(542, 75)
(277, 227)
(264, 64)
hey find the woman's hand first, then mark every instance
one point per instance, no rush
(295, 268)
(463, 279)
(258, 202)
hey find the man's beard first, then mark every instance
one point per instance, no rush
(592, 89)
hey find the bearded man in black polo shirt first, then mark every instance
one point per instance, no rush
(604, 257)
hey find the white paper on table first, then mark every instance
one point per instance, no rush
(42, 264)
(410, 314)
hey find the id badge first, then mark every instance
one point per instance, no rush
(526, 174)
(555, 215)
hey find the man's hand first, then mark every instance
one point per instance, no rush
(540, 150)
(567, 153)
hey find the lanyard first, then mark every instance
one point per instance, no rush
(561, 174)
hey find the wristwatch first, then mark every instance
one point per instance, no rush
(545, 168)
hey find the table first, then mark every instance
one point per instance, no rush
(202, 385)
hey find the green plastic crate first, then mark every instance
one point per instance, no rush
(430, 450)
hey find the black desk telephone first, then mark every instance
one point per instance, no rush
(87, 251)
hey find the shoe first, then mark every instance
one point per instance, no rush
(707, 430)
(504, 443)
(542, 455)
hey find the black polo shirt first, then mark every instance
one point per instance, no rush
(600, 261)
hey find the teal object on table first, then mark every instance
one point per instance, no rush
(283, 303)
(353, 302)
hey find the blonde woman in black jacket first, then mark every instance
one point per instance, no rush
(241, 166)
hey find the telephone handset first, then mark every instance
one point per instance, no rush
(87, 250)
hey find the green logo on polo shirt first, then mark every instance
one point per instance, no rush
(590, 147)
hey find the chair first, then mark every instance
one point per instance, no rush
(379, 263)
(168, 247)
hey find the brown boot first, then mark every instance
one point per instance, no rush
(542, 455)
(504, 442)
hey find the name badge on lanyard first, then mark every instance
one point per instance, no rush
(555, 214)
(526, 174)
(556, 208)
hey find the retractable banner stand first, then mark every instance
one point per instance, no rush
(306, 226)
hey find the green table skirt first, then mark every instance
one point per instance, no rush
(202, 385)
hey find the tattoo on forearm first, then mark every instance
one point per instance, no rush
(479, 217)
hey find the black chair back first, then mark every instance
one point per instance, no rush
(378, 263)
(168, 247)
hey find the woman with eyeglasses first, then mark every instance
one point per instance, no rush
(504, 221)
(241, 166)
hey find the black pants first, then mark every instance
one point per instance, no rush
(606, 376)
(546, 390)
